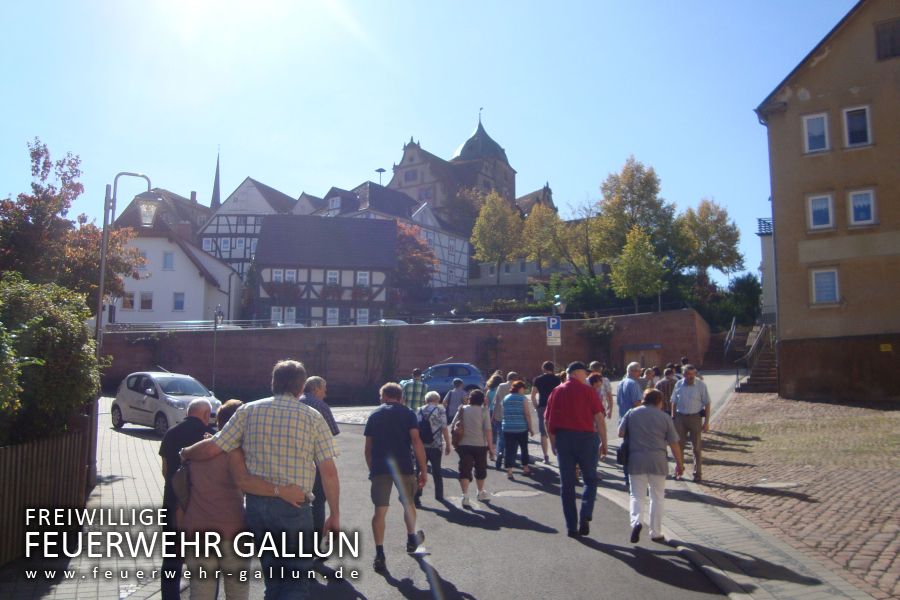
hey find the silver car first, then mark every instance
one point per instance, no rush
(157, 399)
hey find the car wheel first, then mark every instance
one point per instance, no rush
(117, 419)
(161, 424)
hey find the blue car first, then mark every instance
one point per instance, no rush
(440, 377)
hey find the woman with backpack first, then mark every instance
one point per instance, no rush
(473, 444)
(435, 436)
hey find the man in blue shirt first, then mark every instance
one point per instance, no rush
(691, 412)
(630, 390)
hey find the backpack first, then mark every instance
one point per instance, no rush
(426, 433)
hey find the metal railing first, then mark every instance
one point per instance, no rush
(764, 340)
(730, 337)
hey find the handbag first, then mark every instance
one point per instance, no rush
(622, 452)
(458, 430)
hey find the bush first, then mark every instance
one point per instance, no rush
(45, 338)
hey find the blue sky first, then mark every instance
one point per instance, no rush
(306, 95)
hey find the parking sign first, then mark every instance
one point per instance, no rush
(554, 331)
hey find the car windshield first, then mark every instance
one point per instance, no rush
(181, 386)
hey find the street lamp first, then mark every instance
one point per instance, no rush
(218, 317)
(109, 213)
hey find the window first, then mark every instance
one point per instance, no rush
(277, 275)
(332, 316)
(362, 316)
(207, 244)
(424, 194)
(168, 261)
(440, 372)
(332, 278)
(290, 314)
(521, 266)
(862, 207)
(362, 278)
(887, 39)
(128, 301)
(290, 275)
(815, 132)
(146, 300)
(242, 220)
(856, 127)
(252, 247)
(411, 175)
(820, 212)
(143, 256)
(239, 244)
(491, 269)
(825, 286)
(334, 203)
(178, 301)
(506, 267)
(277, 315)
(225, 244)
(460, 371)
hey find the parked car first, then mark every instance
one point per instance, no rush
(157, 399)
(487, 321)
(438, 322)
(440, 377)
(390, 322)
(531, 319)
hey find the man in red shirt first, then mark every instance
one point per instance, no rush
(574, 419)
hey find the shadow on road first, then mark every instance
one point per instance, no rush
(438, 587)
(774, 492)
(741, 562)
(666, 565)
(688, 496)
(140, 433)
(494, 520)
(338, 589)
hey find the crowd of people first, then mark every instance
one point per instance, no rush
(271, 465)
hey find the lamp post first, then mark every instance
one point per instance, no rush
(218, 317)
(109, 213)
(559, 307)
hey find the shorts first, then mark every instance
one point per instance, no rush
(407, 485)
(541, 427)
(472, 456)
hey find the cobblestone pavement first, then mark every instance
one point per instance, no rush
(824, 477)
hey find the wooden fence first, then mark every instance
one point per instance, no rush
(47, 473)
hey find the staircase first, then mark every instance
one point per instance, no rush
(716, 358)
(763, 370)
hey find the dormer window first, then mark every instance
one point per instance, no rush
(334, 203)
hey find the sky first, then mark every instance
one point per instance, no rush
(305, 95)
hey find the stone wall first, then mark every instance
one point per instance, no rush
(356, 360)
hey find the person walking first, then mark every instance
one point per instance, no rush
(493, 383)
(455, 398)
(314, 391)
(414, 391)
(392, 436)
(516, 428)
(182, 435)
(691, 412)
(497, 415)
(630, 390)
(649, 430)
(435, 416)
(283, 441)
(474, 446)
(574, 417)
(666, 385)
(605, 388)
(542, 386)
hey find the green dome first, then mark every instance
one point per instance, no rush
(480, 146)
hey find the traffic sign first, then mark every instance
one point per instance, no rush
(554, 331)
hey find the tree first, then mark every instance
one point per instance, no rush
(462, 209)
(538, 236)
(38, 241)
(715, 238)
(744, 293)
(415, 262)
(497, 233)
(631, 198)
(637, 272)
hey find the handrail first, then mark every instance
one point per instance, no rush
(763, 338)
(730, 337)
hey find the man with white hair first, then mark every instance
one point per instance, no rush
(186, 433)
(629, 395)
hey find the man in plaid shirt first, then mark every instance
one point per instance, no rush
(414, 391)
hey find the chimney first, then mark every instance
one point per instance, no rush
(194, 197)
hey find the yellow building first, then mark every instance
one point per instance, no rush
(834, 155)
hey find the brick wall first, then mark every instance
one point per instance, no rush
(356, 360)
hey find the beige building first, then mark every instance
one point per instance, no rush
(834, 153)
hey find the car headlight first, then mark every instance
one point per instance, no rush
(176, 403)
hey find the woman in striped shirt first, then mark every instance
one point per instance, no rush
(516, 427)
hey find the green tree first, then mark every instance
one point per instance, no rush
(58, 372)
(637, 272)
(497, 233)
(539, 234)
(744, 293)
(714, 238)
(415, 263)
(631, 198)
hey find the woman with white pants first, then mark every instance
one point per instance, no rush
(649, 430)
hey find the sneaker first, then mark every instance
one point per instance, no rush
(483, 496)
(379, 564)
(636, 533)
(573, 533)
(660, 539)
(412, 546)
(466, 503)
(546, 459)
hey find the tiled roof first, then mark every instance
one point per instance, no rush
(171, 210)
(327, 242)
(279, 201)
(385, 200)
(480, 146)
(543, 196)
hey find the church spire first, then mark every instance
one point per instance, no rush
(216, 200)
